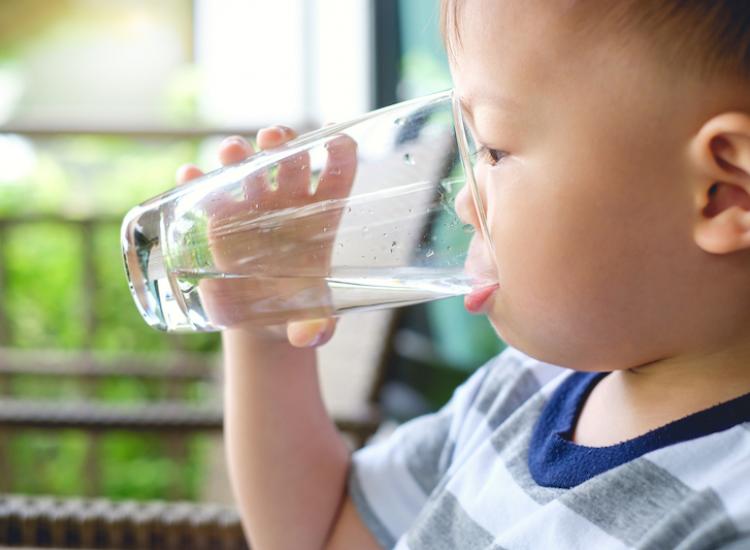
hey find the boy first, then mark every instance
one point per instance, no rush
(616, 178)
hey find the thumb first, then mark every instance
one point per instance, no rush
(310, 333)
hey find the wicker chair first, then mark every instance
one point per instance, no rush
(99, 523)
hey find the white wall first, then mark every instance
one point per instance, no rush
(293, 62)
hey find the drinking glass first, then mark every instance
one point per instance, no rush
(355, 216)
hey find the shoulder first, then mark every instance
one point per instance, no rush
(715, 466)
(516, 376)
(498, 390)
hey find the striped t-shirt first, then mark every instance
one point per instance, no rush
(494, 470)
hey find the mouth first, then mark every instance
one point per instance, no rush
(477, 301)
(482, 271)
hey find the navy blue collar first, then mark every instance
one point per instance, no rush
(555, 461)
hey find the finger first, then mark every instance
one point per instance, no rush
(268, 138)
(341, 166)
(234, 149)
(224, 211)
(312, 333)
(187, 172)
(293, 176)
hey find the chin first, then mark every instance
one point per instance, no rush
(516, 341)
(505, 335)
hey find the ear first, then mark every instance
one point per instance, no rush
(721, 154)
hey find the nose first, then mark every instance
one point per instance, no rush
(466, 208)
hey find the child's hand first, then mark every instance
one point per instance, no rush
(229, 302)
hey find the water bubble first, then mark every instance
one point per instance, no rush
(336, 172)
(408, 159)
(468, 228)
(393, 244)
(365, 229)
(400, 121)
(325, 229)
(341, 245)
(430, 253)
(273, 177)
(349, 209)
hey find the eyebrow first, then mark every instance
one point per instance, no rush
(497, 101)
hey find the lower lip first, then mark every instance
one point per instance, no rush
(475, 301)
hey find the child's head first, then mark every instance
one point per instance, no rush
(617, 174)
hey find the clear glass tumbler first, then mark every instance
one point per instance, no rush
(355, 216)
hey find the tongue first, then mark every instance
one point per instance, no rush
(474, 301)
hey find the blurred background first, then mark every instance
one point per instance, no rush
(100, 102)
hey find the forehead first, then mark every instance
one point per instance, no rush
(496, 15)
(507, 44)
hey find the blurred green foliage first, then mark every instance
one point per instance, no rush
(44, 296)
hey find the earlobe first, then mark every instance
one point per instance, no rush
(725, 232)
(720, 153)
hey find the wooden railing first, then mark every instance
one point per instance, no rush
(173, 417)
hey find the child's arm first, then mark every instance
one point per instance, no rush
(287, 463)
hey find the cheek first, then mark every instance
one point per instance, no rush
(571, 253)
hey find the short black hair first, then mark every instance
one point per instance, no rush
(711, 37)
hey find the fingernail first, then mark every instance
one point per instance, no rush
(317, 339)
(233, 140)
(183, 171)
(270, 129)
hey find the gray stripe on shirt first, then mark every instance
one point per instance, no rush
(645, 506)
(429, 454)
(444, 525)
(738, 544)
(367, 514)
(511, 441)
(504, 391)
(524, 387)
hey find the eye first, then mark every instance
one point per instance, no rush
(491, 156)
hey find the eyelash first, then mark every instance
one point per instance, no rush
(491, 156)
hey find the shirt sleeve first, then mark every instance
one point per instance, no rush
(390, 481)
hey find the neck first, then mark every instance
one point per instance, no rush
(700, 380)
(628, 403)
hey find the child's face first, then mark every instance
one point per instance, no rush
(590, 213)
